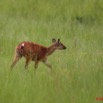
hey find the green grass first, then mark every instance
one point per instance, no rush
(78, 71)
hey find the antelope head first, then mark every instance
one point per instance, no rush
(57, 44)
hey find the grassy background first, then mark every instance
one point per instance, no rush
(78, 76)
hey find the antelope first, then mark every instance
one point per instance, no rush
(35, 52)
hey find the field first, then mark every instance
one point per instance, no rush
(78, 70)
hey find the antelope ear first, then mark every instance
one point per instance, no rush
(53, 40)
(58, 40)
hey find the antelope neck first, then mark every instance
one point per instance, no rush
(50, 50)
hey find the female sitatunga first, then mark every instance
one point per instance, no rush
(35, 52)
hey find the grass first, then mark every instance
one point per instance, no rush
(78, 73)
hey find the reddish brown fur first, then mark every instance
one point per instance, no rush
(35, 52)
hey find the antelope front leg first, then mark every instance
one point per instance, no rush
(36, 64)
(36, 61)
(46, 63)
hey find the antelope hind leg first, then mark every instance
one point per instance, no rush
(26, 63)
(16, 59)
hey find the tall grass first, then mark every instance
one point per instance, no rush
(78, 73)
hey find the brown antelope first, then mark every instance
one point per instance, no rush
(35, 52)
